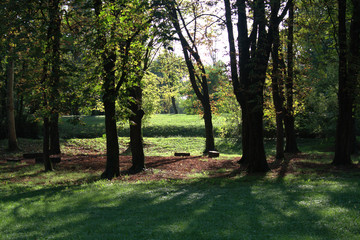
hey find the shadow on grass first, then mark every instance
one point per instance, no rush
(168, 161)
(198, 210)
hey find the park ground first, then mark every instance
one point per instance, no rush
(195, 197)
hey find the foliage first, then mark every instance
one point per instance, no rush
(317, 66)
(172, 76)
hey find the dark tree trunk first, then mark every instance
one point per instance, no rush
(209, 134)
(354, 66)
(46, 152)
(278, 98)
(108, 56)
(289, 120)
(136, 140)
(54, 134)
(248, 74)
(248, 88)
(256, 158)
(112, 168)
(112, 142)
(348, 74)
(174, 105)
(355, 148)
(55, 35)
(12, 143)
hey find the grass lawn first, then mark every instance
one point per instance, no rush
(159, 125)
(241, 208)
(77, 205)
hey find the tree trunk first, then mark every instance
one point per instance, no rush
(112, 142)
(12, 143)
(209, 134)
(198, 81)
(112, 168)
(344, 122)
(136, 140)
(46, 152)
(174, 105)
(348, 75)
(289, 120)
(54, 134)
(355, 147)
(55, 25)
(256, 157)
(278, 99)
(108, 57)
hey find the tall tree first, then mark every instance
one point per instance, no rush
(55, 24)
(248, 72)
(123, 42)
(289, 119)
(12, 146)
(108, 57)
(50, 80)
(197, 72)
(278, 95)
(349, 70)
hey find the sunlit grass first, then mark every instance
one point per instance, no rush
(244, 208)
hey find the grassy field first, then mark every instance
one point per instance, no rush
(160, 125)
(166, 133)
(77, 205)
(240, 208)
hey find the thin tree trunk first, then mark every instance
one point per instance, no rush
(55, 25)
(46, 152)
(278, 97)
(209, 134)
(12, 143)
(289, 120)
(174, 105)
(136, 140)
(202, 92)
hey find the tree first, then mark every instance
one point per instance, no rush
(55, 24)
(123, 44)
(50, 83)
(110, 86)
(289, 119)
(12, 146)
(248, 82)
(349, 70)
(278, 95)
(197, 72)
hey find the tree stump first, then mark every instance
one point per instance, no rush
(182, 154)
(213, 154)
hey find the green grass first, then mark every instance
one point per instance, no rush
(160, 125)
(77, 205)
(240, 208)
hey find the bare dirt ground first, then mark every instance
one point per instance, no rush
(158, 168)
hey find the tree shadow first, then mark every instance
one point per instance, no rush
(168, 161)
(236, 209)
